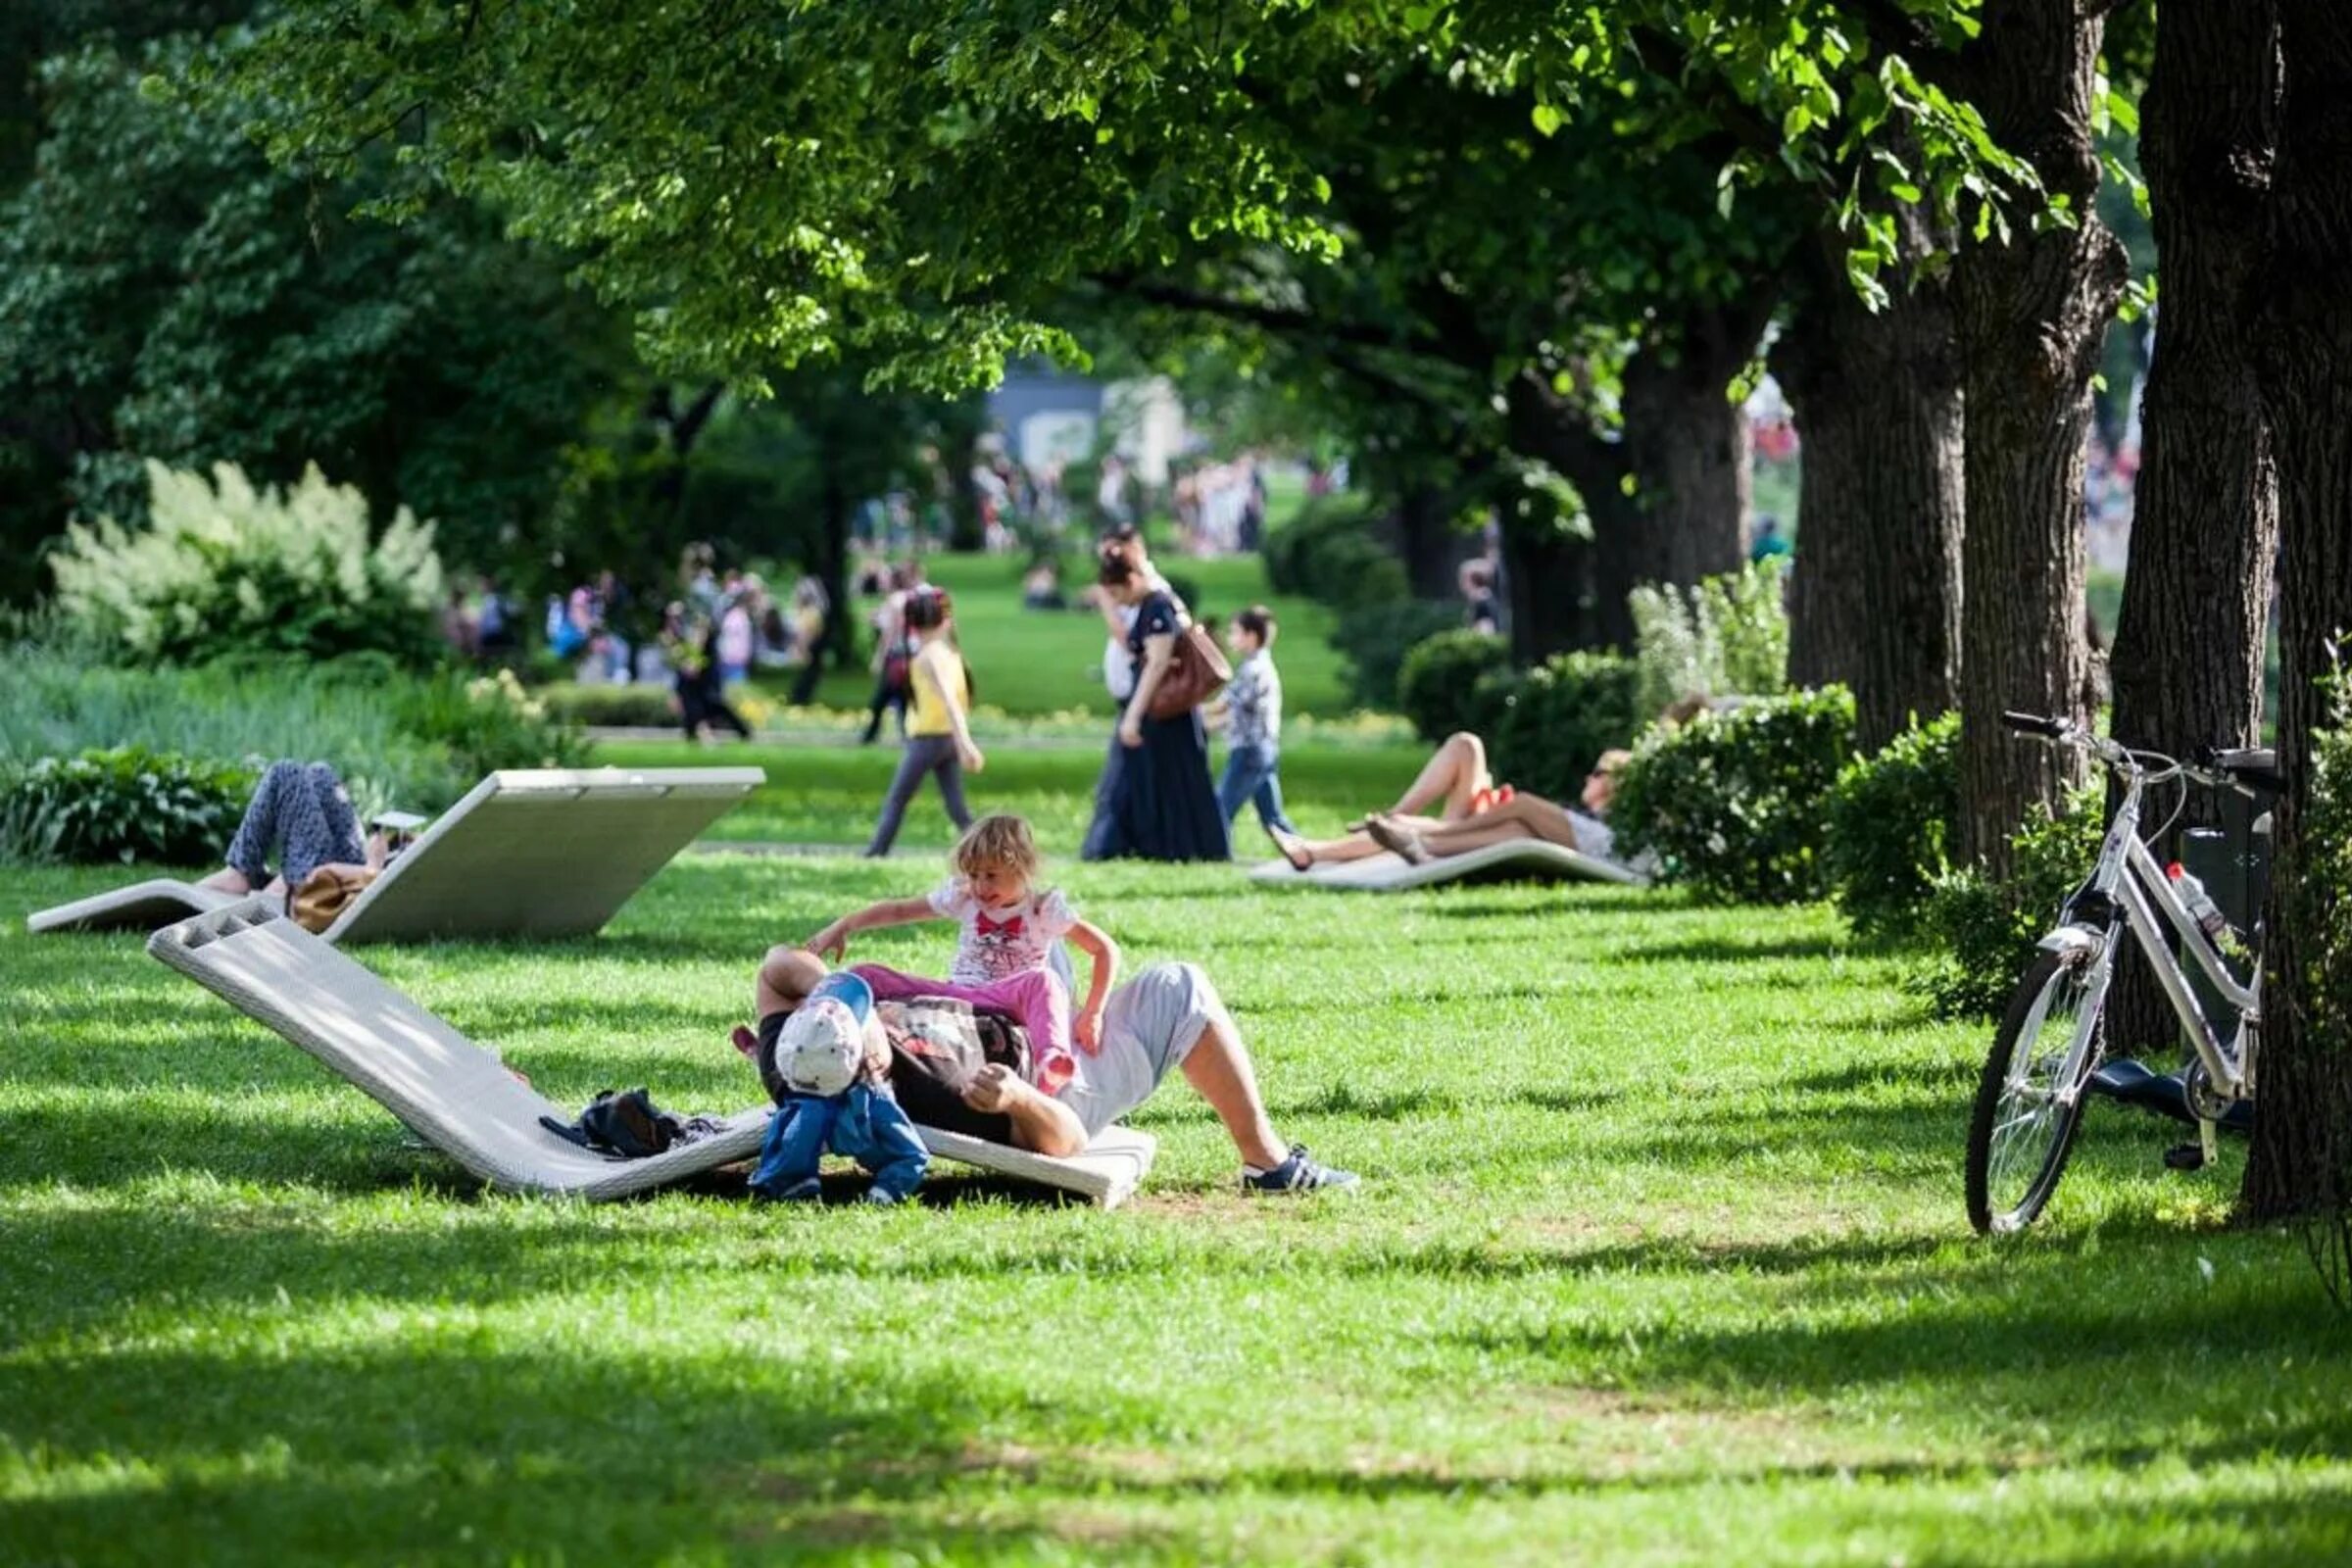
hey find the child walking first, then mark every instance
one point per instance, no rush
(1253, 723)
(939, 740)
(1007, 930)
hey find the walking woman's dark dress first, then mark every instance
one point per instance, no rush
(1157, 801)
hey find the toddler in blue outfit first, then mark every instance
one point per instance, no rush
(836, 1078)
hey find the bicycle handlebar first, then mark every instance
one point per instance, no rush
(2034, 723)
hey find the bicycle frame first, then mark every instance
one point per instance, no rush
(2129, 883)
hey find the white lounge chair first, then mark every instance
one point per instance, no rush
(1524, 857)
(528, 852)
(458, 1097)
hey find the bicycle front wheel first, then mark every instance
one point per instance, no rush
(2027, 1106)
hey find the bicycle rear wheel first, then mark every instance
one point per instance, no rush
(2024, 1120)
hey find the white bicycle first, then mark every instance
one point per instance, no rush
(2030, 1099)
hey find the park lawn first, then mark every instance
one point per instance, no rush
(832, 794)
(1047, 662)
(1660, 1258)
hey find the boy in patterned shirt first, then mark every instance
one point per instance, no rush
(1252, 721)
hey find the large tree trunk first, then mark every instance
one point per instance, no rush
(1874, 602)
(1425, 539)
(2032, 312)
(2188, 657)
(2302, 296)
(1567, 592)
(1687, 440)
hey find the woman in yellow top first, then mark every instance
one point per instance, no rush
(939, 740)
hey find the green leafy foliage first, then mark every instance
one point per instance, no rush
(1329, 553)
(1985, 931)
(1891, 818)
(1376, 641)
(1438, 685)
(226, 568)
(1725, 637)
(1546, 726)
(123, 802)
(488, 723)
(643, 704)
(1736, 804)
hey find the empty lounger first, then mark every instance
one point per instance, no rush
(459, 1098)
(1525, 858)
(528, 852)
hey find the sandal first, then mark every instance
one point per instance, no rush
(1398, 841)
(1290, 850)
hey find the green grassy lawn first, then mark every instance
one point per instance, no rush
(1660, 1258)
(1039, 661)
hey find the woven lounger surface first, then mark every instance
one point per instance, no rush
(460, 1100)
(1390, 873)
(528, 852)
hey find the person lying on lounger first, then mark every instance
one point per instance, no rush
(1473, 811)
(300, 818)
(1167, 1019)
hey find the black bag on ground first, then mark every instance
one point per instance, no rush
(629, 1125)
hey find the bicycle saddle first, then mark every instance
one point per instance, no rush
(2254, 767)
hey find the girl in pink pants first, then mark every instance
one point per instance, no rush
(1007, 931)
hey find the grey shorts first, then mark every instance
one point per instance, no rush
(1149, 1025)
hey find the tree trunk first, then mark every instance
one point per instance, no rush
(2188, 657)
(1874, 601)
(1687, 440)
(832, 569)
(1567, 592)
(2032, 312)
(1424, 541)
(2301, 298)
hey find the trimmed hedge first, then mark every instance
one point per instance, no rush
(1736, 804)
(1376, 642)
(1546, 726)
(1436, 684)
(1328, 553)
(1891, 818)
(1985, 931)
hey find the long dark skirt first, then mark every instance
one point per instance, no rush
(1157, 801)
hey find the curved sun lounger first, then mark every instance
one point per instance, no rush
(528, 852)
(459, 1098)
(1512, 859)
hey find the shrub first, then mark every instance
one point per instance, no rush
(1736, 804)
(1985, 930)
(643, 704)
(1437, 685)
(1329, 553)
(1729, 636)
(489, 722)
(125, 803)
(224, 568)
(1892, 817)
(1375, 641)
(1548, 726)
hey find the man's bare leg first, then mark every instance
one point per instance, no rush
(1218, 1067)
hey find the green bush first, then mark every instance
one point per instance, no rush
(1329, 553)
(1727, 637)
(226, 568)
(1736, 804)
(1985, 930)
(487, 723)
(1375, 641)
(1545, 728)
(1891, 818)
(643, 704)
(1437, 685)
(125, 803)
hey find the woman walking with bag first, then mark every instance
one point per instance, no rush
(938, 739)
(1157, 801)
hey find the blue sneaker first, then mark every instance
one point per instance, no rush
(808, 1190)
(1298, 1174)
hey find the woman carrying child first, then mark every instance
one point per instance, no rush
(939, 737)
(1007, 928)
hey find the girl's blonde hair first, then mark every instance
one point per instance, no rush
(999, 840)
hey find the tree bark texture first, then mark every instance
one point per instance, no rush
(1875, 600)
(2032, 312)
(2188, 644)
(1425, 539)
(1687, 440)
(2301, 304)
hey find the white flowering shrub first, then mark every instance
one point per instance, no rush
(227, 568)
(1727, 637)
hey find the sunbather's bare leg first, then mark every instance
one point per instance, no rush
(1521, 816)
(1454, 772)
(228, 879)
(1325, 852)
(1219, 1067)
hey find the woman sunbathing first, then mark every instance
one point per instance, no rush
(1473, 811)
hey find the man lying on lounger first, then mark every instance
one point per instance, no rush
(1167, 1018)
(1474, 811)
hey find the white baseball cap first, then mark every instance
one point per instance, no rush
(822, 1044)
